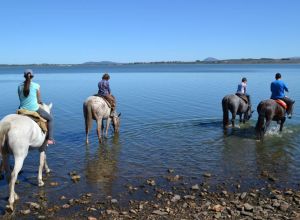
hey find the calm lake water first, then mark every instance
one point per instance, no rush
(171, 118)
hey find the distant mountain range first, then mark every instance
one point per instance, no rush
(100, 63)
(208, 60)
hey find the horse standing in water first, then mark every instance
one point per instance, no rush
(17, 133)
(96, 108)
(237, 106)
(269, 110)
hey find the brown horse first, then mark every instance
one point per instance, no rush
(269, 110)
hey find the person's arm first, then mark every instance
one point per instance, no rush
(108, 87)
(285, 88)
(38, 94)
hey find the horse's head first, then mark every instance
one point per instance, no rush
(46, 107)
(116, 122)
(248, 113)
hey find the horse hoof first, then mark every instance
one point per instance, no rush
(9, 208)
(41, 183)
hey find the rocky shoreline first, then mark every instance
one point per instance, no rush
(177, 200)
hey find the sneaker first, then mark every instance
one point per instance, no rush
(50, 142)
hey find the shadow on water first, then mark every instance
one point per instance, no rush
(101, 166)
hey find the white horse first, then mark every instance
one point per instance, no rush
(17, 133)
(95, 107)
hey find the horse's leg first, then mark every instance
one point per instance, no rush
(268, 122)
(42, 163)
(87, 119)
(281, 123)
(99, 126)
(107, 126)
(86, 133)
(47, 169)
(5, 164)
(19, 160)
(233, 118)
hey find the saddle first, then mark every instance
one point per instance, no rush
(281, 103)
(35, 117)
(107, 102)
(243, 97)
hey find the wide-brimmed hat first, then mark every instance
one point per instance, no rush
(28, 71)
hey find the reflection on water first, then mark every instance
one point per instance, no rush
(102, 166)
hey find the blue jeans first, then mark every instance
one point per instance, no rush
(49, 119)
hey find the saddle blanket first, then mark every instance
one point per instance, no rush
(107, 102)
(36, 117)
(245, 99)
(281, 103)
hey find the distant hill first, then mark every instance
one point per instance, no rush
(210, 59)
(100, 63)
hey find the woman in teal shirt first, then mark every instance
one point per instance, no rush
(30, 97)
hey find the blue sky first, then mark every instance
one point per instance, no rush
(57, 31)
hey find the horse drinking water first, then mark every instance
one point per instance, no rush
(269, 110)
(17, 134)
(95, 107)
(237, 106)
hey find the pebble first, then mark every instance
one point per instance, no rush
(207, 175)
(248, 207)
(34, 205)
(284, 206)
(218, 208)
(75, 178)
(189, 197)
(195, 187)
(54, 184)
(66, 206)
(175, 198)
(114, 201)
(92, 218)
(158, 212)
(243, 195)
(25, 212)
(151, 182)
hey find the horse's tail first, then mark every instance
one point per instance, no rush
(260, 124)
(4, 128)
(225, 112)
(88, 116)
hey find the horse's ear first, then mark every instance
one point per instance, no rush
(50, 105)
(119, 114)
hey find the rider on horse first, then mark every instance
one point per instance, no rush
(241, 90)
(30, 98)
(277, 88)
(104, 91)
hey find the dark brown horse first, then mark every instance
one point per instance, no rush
(237, 106)
(269, 110)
